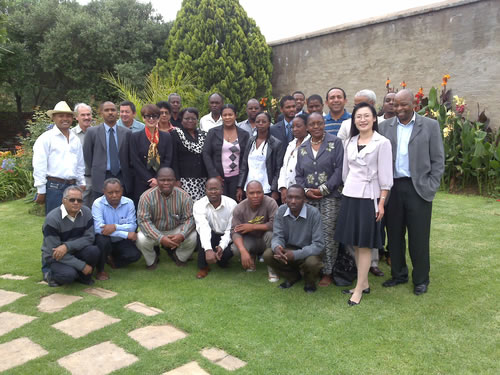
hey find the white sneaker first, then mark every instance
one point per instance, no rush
(271, 275)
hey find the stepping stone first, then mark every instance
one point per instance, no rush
(99, 359)
(9, 276)
(191, 368)
(141, 308)
(152, 337)
(10, 321)
(221, 358)
(43, 283)
(83, 324)
(7, 297)
(56, 302)
(100, 292)
(19, 351)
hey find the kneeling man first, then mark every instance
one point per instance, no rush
(68, 236)
(297, 241)
(213, 214)
(165, 216)
(114, 226)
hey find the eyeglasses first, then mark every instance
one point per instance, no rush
(75, 200)
(151, 117)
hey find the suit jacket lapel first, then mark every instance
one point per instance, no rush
(121, 136)
(417, 127)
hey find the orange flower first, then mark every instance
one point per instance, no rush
(446, 77)
(403, 84)
(420, 94)
(263, 102)
(387, 82)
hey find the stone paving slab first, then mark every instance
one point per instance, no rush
(99, 359)
(141, 308)
(82, 325)
(100, 292)
(221, 358)
(56, 302)
(19, 351)
(6, 297)
(191, 368)
(10, 321)
(43, 283)
(152, 337)
(9, 276)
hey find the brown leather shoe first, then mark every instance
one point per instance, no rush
(111, 262)
(376, 271)
(102, 276)
(325, 280)
(153, 266)
(203, 273)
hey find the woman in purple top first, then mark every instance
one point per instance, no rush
(367, 176)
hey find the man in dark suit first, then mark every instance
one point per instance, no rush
(282, 130)
(106, 152)
(418, 156)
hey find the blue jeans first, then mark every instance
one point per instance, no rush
(54, 195)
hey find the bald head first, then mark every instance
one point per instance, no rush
(406, 94)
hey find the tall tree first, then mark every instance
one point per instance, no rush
(217, 42)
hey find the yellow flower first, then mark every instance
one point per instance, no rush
(446, 132)
(450, 114)
(458, 100)
(435, 114)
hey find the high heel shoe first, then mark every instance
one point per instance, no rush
(348, 291)
(352, 303)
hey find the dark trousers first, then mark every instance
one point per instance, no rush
(227, 254)
(123, 252)
(230, 186)
(63, 274)
(310, 266)
(406, 210)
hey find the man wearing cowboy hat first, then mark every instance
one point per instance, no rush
(57, 159)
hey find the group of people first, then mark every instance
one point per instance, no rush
(287, 194)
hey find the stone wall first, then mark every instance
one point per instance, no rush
(460, 38)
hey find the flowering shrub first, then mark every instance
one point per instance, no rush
(271, 106)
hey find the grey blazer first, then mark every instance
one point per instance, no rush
(95, 155)
(425, 151)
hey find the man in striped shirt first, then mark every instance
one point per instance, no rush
(165, 217)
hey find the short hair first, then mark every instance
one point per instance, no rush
(354, 129)
(297, 186)
(265, 114)
(336, 88)
(101, 106)
(315, 97)
(252, 100)
(254, 182)
(77, 107)
(302, 116)
(230, 106)
(165, 168)
(189, 110)
(111, 181)
(163, 104)
(369, 94)
(285, 99)
(217, 93)
(71, 188)
(174, 94)
(150, 109)
(128, 103)
(299, 92)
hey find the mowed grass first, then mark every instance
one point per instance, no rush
(453, 329)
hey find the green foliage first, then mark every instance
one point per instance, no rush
(61, 48)
(157, 87)
(218, 41)
(472, 149)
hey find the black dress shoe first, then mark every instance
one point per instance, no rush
(287, 284)
(310, 288)
(420, 289)
(348, 291)
(376, 271)
(352, 303)
(393, 282)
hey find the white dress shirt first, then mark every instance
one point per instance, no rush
(402, 165)
(56, 156)
(218, 220)
(287, 171)
(207, 122)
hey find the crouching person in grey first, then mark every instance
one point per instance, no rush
(68, 238)
(297, 242)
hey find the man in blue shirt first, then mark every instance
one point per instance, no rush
(114, 226)
(127, 117)
(336, 100)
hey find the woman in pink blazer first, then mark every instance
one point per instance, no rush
(367, 176)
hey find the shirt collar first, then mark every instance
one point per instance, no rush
(302, 213)
(107, 127)
(412, 121)
(64, 213)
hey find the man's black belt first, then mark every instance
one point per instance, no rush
(62, 180)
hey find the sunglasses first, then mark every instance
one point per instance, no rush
(75, 200)
(151, 117)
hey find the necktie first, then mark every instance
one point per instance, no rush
(114, 164)
(289, 134)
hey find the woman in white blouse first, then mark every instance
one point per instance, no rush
(287, 172)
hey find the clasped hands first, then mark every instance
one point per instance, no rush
(212, 256)
(172, 241)
(283, 255)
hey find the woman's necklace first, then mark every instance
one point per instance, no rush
(315, 143)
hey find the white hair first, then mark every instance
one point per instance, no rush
(77, 107)
(367, 94)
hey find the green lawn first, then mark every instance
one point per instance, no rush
(453, 329)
